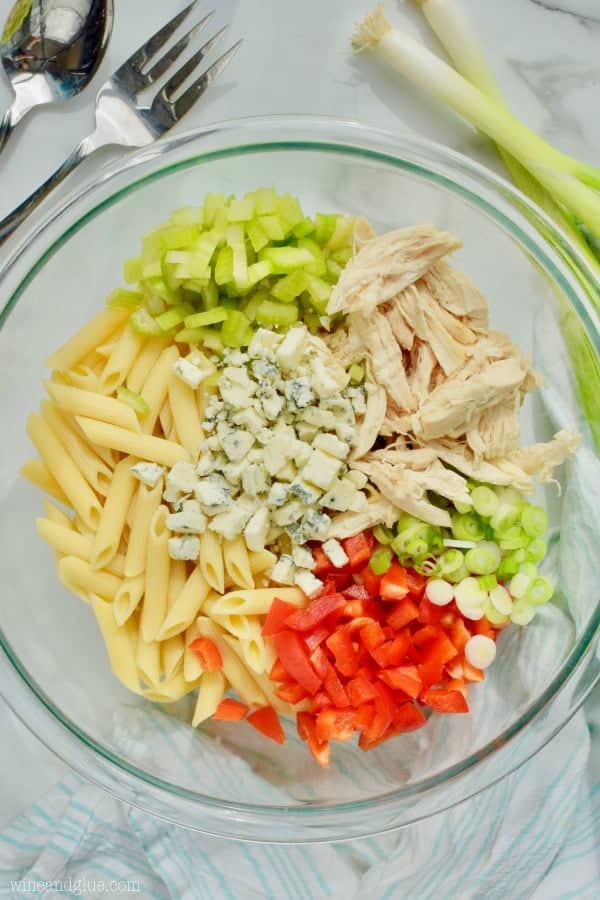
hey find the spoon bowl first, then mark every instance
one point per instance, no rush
(50, 51)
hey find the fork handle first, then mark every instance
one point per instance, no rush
(11, 222)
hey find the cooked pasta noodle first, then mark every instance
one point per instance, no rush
(142, 366)
(165, 418)
(36, 472)
(156, 386)
(57, 516)
(172, 655)
(114, 513)
(235, 668)
(89, 581)
(119, 363)
(158, 564)
(67, 541)
(186, 606)
(211, 561)
(177, 580)
(148, 660)
(237, 564)
(182, 400)
(261, 561)
(146, 502)
(92, 335)
(210, 693)
(64, 471)
(144, 446)
(82, 376)
(94, 470)
(128, 598)
(192, 667)
(93, 406)
(121, 644)
(256, 602)
(171, 691)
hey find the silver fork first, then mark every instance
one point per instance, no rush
(121, 119)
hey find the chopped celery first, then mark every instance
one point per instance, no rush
(134, 400)
(132, 270)
(265, 200)
(319, 291)
(224, 266)
(342, 233)
(210, 295)
(188, 215)
(152, 269)
(178, 236)
(324, 227)
(304, 228)
(171, 318)
(240, 210)
(124, 299)
(342, 256)
(273, 227)
(257, 235)
(356, 373)
(251, 304)
(212, 380)
(289, 210)
(332, 270)
(276, 314)
(190, 335)
(291, 286)
(155, 305)
(213, 203)
(142, 323)
(236, 330)
(318, 265)
(208, 317)
(257, 271)
(286, 259)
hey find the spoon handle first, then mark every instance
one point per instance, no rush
(12, 221)
(7, 124)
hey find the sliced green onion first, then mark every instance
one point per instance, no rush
(380, 561)
(439, 592)
(457, 575)
(383, 535)
(534, 520)
(470, 598)
(539, 591)
(505, 516)
(483, 559)
(450, 561)
(519, 585)
(522, 613)
(487, 582)
(513, 538)
(501, 600)
(536, 550)
(493, 615)
(529, 569)
(485, 501)
(467, 527)
(134, 400)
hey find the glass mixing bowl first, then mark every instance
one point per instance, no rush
(225, 780)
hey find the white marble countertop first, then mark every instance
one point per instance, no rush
(296, 60)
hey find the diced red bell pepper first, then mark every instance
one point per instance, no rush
(457, 684)
(358, 550)
(485, 627)
(394, 584)
(434, 654)
(319, 662)
(278, 613)
(323, 565)
(306, 725)
(444, 701)
(471, 673)
(315, 613)
(372, 636)
(316, 637)
(335, 688)
(358, 623)
(291, 693)
(208, 653)
(370, 582)
(385, 707)
(425, 635)
(399, 650)
(278, 673)
(360, 690)
(404, 612)
(335, 724)
(230, 710)
(356, 592)
(403, 678)
(429, 614)
(408, 717)
(292, 652)
(459, 634)
(454, 668)
(320, 701)
(340, 644)
(267, 722)
(415, 583)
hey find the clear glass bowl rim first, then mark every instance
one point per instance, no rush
(298, 132)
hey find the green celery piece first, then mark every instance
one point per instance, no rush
(289, 210)
(231, 300)
(168, 273)
(319, 291)
(257, 235)
(188, 215)
(234, 332)
(172, 318)
(342, 235)
(273, 227)
(304, 228)
(159, 288)
(152, 245)
(124, 299)
(210, 295)
(193, 269)
(333, 271)
(178, 237)
(342, 256)
(207, 317)
(224, 265)
(312, 322)
(152, 269)
(318, 265)
(240, 210)
(235, 239)
(357, 373)
(133, 270)
(250, 252)
(190, 335)
(134, 400)
(142, 323)
(289, 287)
(155, 305)
(195, 285)
(205, 247)
(251, 304)
(212, 341)
(324, 227)
(257, 271)
(213, 204)
(286, 259)
(265, 200)
(271, 313)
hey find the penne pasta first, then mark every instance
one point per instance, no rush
(36, 472)
(67, 541)
(256, 602)
(94, 470)
(171, 656)
(120, 642)
(77, 572)
(177, 580)
(210, 693)
(57, 516)
(158, 564)
(88, 338)
(235, 668)
(242, 627)
(268, 688)
(82, 376)
(141, 368)
(156, 386)
(237, 564)
(261, 561)
(186, 606)
(171, 691)
(148, 661)
(254, 655)
(165, 418)
(64, 471)
(114, 513)
(144, 446)
(128, 598)
(119, 363)
(182, 400)
(192, 667)
(146, 502)
(104, 350)
(93, 406)
(211, 560)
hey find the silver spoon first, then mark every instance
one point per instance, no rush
(50, 50)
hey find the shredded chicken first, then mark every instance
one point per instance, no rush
(378, 512)
(456, 293)
(406, 489)
(373, 419)
(386, 359)
(423, 365)
(386, 265)
(540, 459)
(496, 431)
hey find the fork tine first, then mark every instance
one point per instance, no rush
(166, 61)
(184, 103)
(141, 56)
(186, 70)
